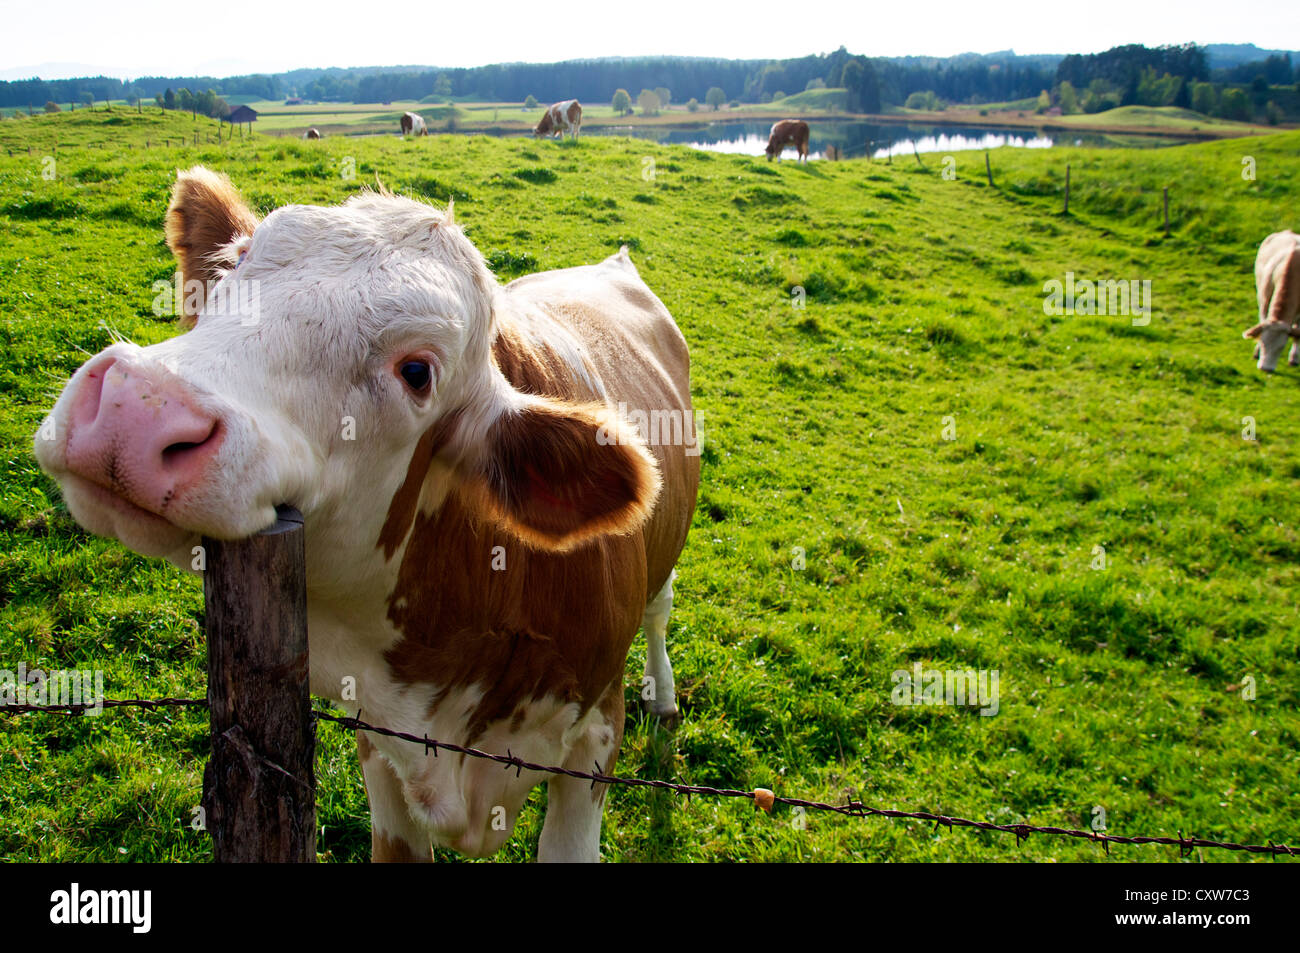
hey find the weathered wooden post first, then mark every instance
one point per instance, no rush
(1066, 211)
(259, 789)
(988, 168)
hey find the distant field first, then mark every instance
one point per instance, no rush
(826, 436)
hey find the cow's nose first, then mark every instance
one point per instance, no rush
(138, 431)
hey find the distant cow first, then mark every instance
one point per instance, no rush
(312, 133)
(561, 118)
(788, 132)
(1277, 282)
(481, 555)
(413, 124)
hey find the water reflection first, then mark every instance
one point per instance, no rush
(857, 139)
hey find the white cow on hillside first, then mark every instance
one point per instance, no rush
(1277, 284)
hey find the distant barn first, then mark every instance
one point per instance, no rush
(242, 115)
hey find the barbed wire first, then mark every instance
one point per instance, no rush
(80, 708)
(761, 797)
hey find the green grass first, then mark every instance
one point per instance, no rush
(824, 430)
(831, 100)
(1158, 117)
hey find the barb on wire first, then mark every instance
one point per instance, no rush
(850, 808)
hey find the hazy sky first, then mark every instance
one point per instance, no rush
(154, 37)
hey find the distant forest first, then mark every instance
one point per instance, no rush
(1173, 75)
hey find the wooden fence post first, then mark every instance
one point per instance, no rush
(1067, 190)
(259, 786)
(988, 167)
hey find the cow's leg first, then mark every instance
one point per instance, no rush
(571, 831)
(1294, 358)
(394, 836)
(663, 700)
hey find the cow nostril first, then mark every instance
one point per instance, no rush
(179, 451)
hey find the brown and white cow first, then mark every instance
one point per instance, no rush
(485, 532)
(560, 118)
(1277, 284)
(312, 133)
(788, 132)
(413, 124)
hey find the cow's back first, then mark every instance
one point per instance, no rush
(1277, 276)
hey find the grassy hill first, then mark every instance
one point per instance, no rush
(825, 432)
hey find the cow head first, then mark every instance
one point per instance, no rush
(339, 358)
(544, 127)
(1270, 340)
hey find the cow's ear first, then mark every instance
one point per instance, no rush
(1254, 332)
(557, 475)
(205, 215)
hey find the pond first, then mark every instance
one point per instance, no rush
(856, 139)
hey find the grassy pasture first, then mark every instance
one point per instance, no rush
(824, 429)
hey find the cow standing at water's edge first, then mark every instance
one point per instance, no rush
(788, 132)
(483, 546)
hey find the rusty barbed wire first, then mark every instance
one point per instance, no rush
(80, 708)
(850, 808)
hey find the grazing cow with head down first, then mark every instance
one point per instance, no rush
(312, 133)
(1277, 283)
(413, 124)
(788, 132)
(484, 532)
(560, 118)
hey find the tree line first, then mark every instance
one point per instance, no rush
(1119, 76)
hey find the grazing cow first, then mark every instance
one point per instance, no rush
(560, 118)
(1277, 283)
(484, 532)
(312, 133)
(788, 132)
(413, 124)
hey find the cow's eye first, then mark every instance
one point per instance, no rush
(416, 374)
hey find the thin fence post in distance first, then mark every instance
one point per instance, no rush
(988, 168)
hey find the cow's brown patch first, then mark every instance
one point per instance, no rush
(549, 624)
(534, 367)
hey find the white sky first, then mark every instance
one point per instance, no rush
(163, 37)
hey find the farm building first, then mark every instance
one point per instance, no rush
(242, 115)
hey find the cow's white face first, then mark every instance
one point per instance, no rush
(1270, 338)
(336, 347)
